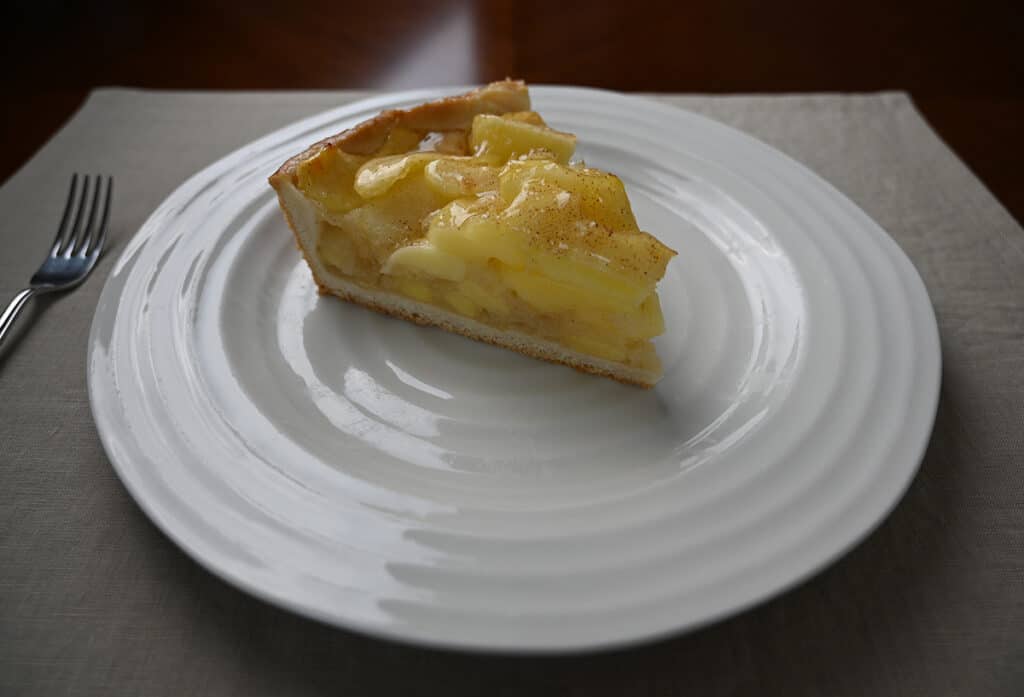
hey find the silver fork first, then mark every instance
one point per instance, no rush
(77, 246)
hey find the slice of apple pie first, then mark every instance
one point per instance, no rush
(467, 214)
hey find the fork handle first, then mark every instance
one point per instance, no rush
(12, 310)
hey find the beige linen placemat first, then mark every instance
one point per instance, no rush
(95, 601)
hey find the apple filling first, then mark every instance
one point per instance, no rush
(495, 224)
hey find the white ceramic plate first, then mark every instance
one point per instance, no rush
(417, 485)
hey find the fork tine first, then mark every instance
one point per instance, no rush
(82, 240)
(101, 235)
(68, 207)
(75, 229)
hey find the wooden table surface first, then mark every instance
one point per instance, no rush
(962, 63)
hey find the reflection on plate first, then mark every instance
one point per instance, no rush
(414, 484)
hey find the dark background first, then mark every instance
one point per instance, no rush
(962, 62)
